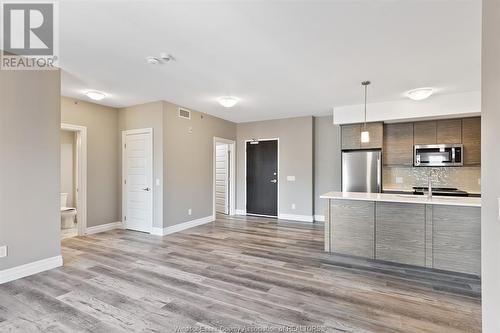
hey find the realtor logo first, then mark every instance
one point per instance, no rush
(28, 36)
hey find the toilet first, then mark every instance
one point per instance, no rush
(68, 214)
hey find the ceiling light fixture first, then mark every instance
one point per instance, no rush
(95, 95)
(153, 60)
(365, 135)
(228, 101)
(419, 93)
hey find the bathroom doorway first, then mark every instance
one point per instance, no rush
(224, 176)
(73, 180)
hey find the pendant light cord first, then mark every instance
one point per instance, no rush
(366, 86)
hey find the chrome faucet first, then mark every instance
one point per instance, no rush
(429, 184)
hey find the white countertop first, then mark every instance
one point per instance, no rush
(405, 198)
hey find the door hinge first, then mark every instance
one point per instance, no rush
(125, 218)
(125, 146)
(125, 182)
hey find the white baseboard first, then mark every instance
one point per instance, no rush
(104, 227)
(240, 212)
(319, 218)
(182, 226)
(294, 217)
(34, 267)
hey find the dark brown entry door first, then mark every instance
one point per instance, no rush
(262, 178)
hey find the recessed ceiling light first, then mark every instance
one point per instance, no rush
(419, 93)
(228, 101)
(153, 60)
(95, 95)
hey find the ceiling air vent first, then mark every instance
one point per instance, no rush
(184, 113)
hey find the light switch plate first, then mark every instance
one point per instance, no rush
(157, 181)
(3, 251)
(190, 211)
(399, 180)
(293, 206)
(290, 178)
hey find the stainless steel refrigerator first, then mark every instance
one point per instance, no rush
(362, 171)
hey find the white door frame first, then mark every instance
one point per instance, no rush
(81, 174)
(232, 172)
(151, 172)
(278, 178)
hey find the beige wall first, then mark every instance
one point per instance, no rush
(148, 115)
(490, 166)
(29, 174)
(295, 159)
(68, 166)
(327, 161)
(102, 157)
(188, 163)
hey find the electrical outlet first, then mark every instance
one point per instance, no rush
(290, 178)
(293, 206)
(3, 251)
(190, 211)
(399, 180)
(190, 130)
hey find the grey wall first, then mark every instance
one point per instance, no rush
(295, 159)
(148, 115)
(327, 160)
(68, 166)
(102, 157)
(188, 163)
(490, 166)
(29, 174)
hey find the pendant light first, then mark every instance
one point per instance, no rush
(365, 135)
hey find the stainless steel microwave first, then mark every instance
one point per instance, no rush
(438, 155)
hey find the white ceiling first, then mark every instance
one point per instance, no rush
(283, 59)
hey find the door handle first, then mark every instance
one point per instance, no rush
(146, 189)
(274, 181)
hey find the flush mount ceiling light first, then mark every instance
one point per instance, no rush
(420, 93)
(228, 101)
(153, 60)
(163, 58)
(95, 95)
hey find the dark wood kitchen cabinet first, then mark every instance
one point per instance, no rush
(351, 136)
(398, 144)
(449, 131)
(471, 139)
(425, 133)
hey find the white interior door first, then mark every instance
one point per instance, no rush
(222, 179)
(138, 179)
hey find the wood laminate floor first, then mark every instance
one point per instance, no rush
(241, 272)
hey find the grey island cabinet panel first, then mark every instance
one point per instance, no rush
(353, 230)
(400, 233)
(456, 233)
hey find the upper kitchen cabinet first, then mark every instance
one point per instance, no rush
(425, 133)
(376, 131)
(471, 139)
(398, 144)
(351, 136)
(449, 131)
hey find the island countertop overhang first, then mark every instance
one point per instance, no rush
(404, 198)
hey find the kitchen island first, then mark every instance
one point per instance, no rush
(438, 232)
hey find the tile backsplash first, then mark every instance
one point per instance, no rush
(404, 178)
